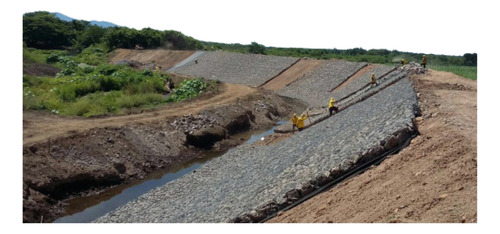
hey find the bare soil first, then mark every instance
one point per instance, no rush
(166, 59)
(40, 126)
(292, 74)
(433, 180)
(67, 157)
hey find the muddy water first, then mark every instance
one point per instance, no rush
(86, 209)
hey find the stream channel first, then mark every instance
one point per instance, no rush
(88, 208)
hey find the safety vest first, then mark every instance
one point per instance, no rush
(300, 121)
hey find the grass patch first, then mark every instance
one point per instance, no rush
(464, 71)
(102, 89)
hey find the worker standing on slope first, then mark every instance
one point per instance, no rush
(424, 61)
(331, 106)
(294, 121)
(300, 121)
(373, 80)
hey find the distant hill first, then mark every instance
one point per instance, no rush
(103, 24)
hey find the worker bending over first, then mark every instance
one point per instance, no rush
(403, 62)
(331, 106)
(294, 121)
(300, 121)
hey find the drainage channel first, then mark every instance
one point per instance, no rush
(86, 209)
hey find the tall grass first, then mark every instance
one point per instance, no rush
(464, 71)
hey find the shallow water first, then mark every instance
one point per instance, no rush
(86, 209)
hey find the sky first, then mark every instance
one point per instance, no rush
(415, 26)
(420, 26)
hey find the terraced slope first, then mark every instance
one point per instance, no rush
(318, 114)
(297, 71)
(360, 80)
(315, 87)
(248, 181)
(237, 68)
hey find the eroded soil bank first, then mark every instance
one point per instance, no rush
(80, 163)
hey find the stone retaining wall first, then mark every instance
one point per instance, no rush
(248, 182)
(237, 68)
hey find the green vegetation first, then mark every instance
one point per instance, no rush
(87, 85)
(43, 30)
(381, 56)
(465, 71)
(91, 90)
(188, 89)
(256, 48)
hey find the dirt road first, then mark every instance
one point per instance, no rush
(39, 126)
(433, 180)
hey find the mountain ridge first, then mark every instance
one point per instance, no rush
(103, 24)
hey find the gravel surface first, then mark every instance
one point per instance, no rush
(237, 68)
(315, 86)
(361, 81)
(240, 184)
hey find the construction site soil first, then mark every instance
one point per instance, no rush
(66, 157)
(434, 179)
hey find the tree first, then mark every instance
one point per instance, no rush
(91, 36)
(256, 48)
(470, 59)
(44, 30)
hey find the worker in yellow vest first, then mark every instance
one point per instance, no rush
(424, 61)
(294, 121)
(373, 80)
(300, 121)
(331, 106)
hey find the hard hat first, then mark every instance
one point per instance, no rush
(302, 115)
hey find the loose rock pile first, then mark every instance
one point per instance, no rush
(190, 123)
(414, 68)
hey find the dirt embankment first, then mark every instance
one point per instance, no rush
(433, 180)
(67, 157)
(166, 59)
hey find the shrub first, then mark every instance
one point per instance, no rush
(106, 69)
(188, 89)
(108, 83)
(86, 87)
(53, 58)
(147, 72)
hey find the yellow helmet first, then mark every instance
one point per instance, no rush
(302, 115)
(295, 114)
